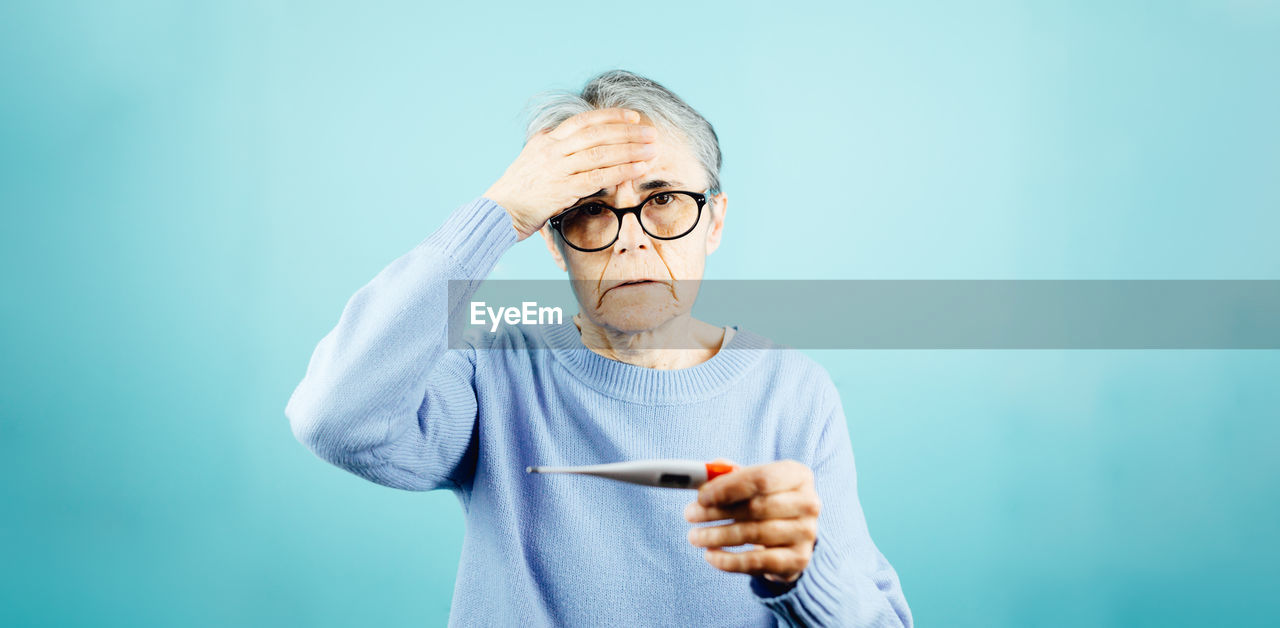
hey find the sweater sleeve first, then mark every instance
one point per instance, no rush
(383, 397)
(848, 582)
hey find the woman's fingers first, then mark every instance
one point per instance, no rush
(595, 116)
(745, 483)
(608, 155)
(605, 134)
(782, 505)
(588, 182)
(602, 148)
(770, 560)
(769, 532)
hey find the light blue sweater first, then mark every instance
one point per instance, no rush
(384, 398)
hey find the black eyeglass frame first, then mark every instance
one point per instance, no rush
(620, 213)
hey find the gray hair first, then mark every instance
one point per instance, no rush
(620, 88)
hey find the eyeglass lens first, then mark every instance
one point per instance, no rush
(664, 215)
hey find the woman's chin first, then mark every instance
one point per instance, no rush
(632, 315)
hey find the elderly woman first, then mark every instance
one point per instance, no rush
(622, 181)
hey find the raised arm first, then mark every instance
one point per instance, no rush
(383, 396)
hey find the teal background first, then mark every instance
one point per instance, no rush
(191, 191)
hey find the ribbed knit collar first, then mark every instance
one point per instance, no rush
(655, 386)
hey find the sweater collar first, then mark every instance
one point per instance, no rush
(655, 386)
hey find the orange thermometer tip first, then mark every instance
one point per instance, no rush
(718, 468)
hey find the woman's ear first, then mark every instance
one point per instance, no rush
(550, 237)
(721, 202)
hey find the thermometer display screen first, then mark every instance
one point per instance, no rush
(674, 480)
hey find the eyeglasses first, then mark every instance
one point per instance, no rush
(594, 226)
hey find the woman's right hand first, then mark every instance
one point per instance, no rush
(588, 152)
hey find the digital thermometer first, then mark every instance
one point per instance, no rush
(657, 472)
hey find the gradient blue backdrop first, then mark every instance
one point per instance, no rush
(191, 192)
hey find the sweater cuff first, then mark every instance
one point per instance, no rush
(473, 238)
(813, 597)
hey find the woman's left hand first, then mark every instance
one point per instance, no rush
(774, 507)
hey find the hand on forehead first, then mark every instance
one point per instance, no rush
(673, 162)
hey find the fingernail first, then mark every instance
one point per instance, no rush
(690, 511)
(649, 132)
(693, 535)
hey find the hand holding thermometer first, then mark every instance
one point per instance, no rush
(657, 472)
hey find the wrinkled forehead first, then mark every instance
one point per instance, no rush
(674, 167)
(643, 187)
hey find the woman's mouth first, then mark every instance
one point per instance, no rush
(634, 283)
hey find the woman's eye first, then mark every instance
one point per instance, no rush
(589, 209)
(662, 199)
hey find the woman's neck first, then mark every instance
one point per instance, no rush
(653, 348)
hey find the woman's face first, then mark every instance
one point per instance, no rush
(673, 268)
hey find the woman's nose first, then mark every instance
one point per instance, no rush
(630, 235)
